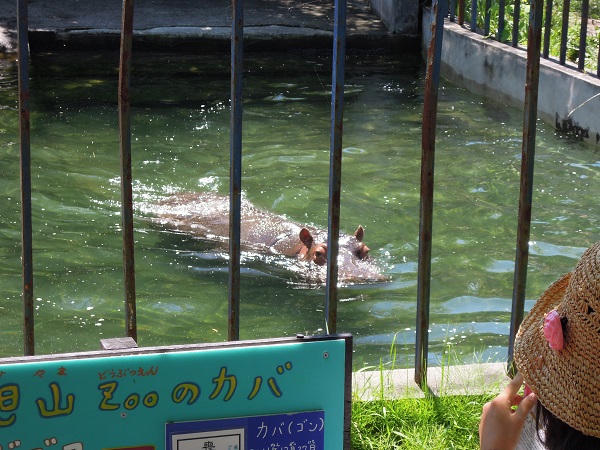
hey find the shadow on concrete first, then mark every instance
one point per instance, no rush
(184, 25)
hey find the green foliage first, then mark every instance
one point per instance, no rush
(594, 10)
(509, 13)
(555, 27)
(572, 54)
(447, 422)
(433, 422)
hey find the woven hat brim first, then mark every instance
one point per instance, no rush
(565, 381)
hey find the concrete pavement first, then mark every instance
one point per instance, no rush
(201, 25)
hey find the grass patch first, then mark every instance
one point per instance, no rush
(446, 422)
(390, 412)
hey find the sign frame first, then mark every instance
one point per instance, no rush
(316, 365)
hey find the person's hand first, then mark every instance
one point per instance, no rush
(501, 426)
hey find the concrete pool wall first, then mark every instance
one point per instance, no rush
(568, 99)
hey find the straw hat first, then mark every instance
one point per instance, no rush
(567, 381)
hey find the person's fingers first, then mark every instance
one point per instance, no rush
(513, 387)
(516, 400)
(525, 407)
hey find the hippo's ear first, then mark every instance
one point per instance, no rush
(359, 234)
(306, 238)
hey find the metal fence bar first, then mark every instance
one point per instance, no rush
(335, 162)
(547, 29)
(585, 8)
(564, 32)
(534, 37)
(488, 18)
(126, 177)
(516, 20)
(432, 80)
(235, 169)
(516, 25)
(25, 162)
(473, 15)
(452, 7)
(501, 20)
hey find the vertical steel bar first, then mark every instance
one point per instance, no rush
(585, 9)
(516, 21)
(488, 17)
(461, 12)
(432, 81)
(501, 19)
(534, 38)
(235, 168)
(598, 63)
(473, 15)
(452, 7)
(126, 176)
(547, 29)
(335, 162)
(25, 144)
(564, 32)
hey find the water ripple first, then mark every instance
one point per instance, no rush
(539, 248)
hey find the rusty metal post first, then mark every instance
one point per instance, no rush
(126, 177)
(235, 168)
(335, 163)
(534, 39)
(25, 143)
(432, 81)
(461, 12)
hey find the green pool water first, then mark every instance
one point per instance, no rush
(180, 142)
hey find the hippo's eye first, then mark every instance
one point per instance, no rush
(362, 252)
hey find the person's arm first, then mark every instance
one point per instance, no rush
(501, 426)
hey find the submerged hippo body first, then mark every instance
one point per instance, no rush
(205, 215)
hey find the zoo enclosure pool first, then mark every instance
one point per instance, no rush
(180, 142)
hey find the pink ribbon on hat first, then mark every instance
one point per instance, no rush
(553, 330)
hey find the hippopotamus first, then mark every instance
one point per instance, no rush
(205, 215)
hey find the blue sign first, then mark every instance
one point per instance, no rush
(255, 395)
(294, 431)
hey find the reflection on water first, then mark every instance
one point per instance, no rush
(181, 143)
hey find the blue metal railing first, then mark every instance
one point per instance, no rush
(427, 171)
(570, 50)
(235, 169)
(126, 175)
(124, 104)
(335, 162)
(427, 180)
(527, 165)
(432, 82)
(26, 225)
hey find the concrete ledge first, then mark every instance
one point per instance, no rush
(567, 99)
(212, 39)
(466, 379)
(192, 26)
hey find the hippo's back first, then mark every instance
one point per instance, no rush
(206, 216)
